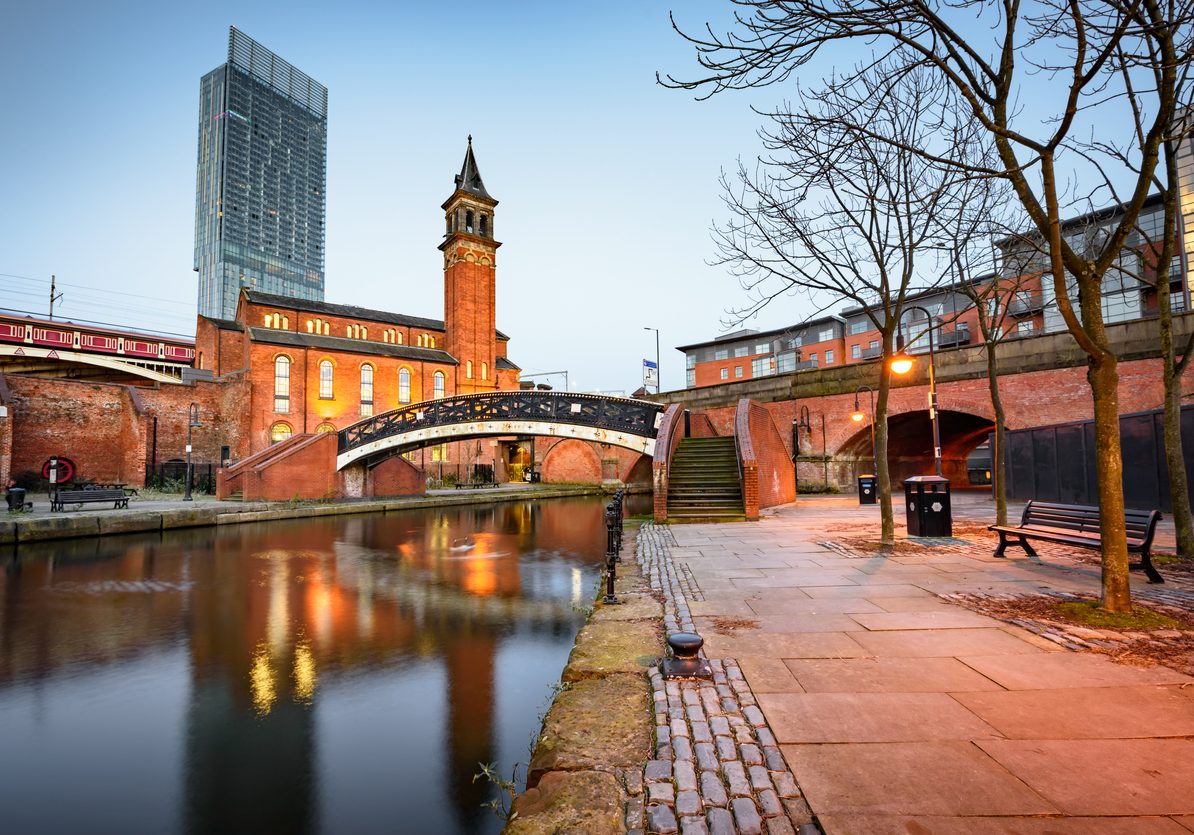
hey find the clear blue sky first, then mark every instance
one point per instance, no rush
(607, 182)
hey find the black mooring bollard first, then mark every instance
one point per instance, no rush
(611, 555)
(685, 663)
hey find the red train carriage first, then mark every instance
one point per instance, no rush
(68, 336)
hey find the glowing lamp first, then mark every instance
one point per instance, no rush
(901, 364)
(857, 417)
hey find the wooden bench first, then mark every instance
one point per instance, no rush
(88, 496)
(1078, 525)
(462, 485)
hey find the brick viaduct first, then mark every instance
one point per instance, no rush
(1042, 381)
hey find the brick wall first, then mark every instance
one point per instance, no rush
(112, 432)
(776, 480)
(395, 477)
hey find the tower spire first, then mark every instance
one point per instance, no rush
(469, 178)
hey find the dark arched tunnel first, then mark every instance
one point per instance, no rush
(910, 445)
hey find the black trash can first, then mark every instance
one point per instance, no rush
(16, 498)
(927, 505)
(868, 489)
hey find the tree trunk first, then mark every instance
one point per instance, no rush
(1103, 375)
(997, 437)
(1175, 458)
(882, 471)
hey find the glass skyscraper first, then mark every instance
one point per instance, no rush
(260, 191)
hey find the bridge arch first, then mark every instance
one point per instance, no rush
(910, 443)
(617, 421)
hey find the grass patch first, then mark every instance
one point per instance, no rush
(1090, 613)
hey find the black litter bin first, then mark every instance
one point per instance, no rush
(868, 489)
(926, 503)
(16, 498)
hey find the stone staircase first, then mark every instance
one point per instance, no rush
(703, 482)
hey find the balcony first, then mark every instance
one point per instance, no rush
(1025, 304)
(872, 353)
(954, 339)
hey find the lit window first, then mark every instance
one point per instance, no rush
(282, 385)
(366, 391)
(468, 369)
(325, 380)
(431, 341)
(325, 428)
(403, 385)
(484, 371)
(399, 339)
(279, 432)
(310, 326)
(439, 383)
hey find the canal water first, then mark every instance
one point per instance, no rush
(337, 675)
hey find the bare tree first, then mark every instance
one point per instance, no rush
(987, 53)
(834, 215)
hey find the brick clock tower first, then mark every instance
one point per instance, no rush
(469, 279)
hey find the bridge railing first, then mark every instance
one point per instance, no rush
(620, 414)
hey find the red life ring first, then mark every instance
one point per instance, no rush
(66, 470)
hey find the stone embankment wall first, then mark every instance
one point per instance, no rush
(598, 733)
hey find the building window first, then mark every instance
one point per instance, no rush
(398, 336)
(325, 428)
(439, 452)
(813, 359)
(874, 344)
(690, 360)
(325, 380)
(403, 385)
(484, 226)
(1025, 327)
(721, 354)
(468, 369)
(825, 335)
(468, 226)
(856, 351)
(741, 350)
(439, 384)
(282, 385)
(691, 378)
(725, 373)
(762, 367)
(280, 431)
(484, 371)
(200, 365)
(737, 371)
(829, 357)
(859, 326)
(786, 362)
(366, 391)
(430, 341)
(763, 348)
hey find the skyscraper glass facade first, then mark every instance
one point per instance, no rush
(260, 193)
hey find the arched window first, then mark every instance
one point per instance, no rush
(325, 380)
(286, 322)
(269, 320)
(200, 365)
(419, 341)
(484, 226)
(280, 431)
(468, 222)
(366, 391)
(484, 371)
(439, 383)
(325, 428)
(282, 385)
(403, 385)
(364, 332)
(310, 326)
(448, 225)
(431, 342)
(468, 369)
(399, 339)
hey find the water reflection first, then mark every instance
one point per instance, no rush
(330, 675)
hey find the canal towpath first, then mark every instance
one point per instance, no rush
(899, 710)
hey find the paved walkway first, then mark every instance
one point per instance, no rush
(899, 712)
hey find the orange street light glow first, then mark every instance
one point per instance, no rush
(857, 417)
(901, 364)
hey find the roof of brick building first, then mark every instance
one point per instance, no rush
(354, 346)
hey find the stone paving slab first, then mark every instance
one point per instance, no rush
(927, 643)
(1104, 776)
(870, 717)
(1012, 825)
(1087, 713)
(1065, 669)
(916, 778)
(887, 675)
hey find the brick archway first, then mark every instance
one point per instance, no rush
(571, 461)
(910, 443)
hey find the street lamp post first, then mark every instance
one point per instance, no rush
(192, 422)
(901, 363)
(858, 416)
(658, 370)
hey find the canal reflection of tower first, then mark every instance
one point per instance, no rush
(469, 659)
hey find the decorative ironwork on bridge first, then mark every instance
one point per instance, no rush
(593, 417)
